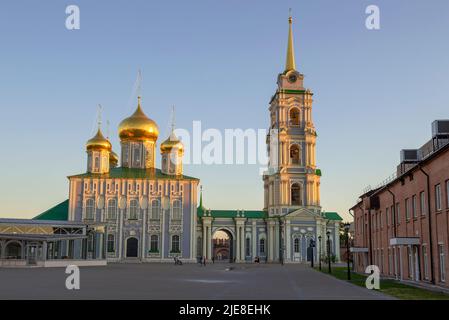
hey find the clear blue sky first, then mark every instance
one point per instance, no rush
(375, 91)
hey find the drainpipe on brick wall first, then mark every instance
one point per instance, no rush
(394, 213)
(429, 217)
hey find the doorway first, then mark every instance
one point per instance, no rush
(132, 246)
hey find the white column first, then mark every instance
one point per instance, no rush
(254, 241)
(337, 241)
(204, 240)
(237, 244)
(163, 232)
(144, 226)
(287, 240)
(120, 232)
(209, 241)
(242, 243)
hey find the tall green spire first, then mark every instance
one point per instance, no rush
(290, 61)
(201, 198)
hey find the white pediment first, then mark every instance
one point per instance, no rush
(302, 214)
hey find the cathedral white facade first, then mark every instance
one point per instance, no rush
(126, 209)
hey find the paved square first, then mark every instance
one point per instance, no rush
(190, 281)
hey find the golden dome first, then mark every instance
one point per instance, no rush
(172, 142)
(138, 127)
(98, 142)
(113, 159)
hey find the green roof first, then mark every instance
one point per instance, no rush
(251, 214)
(133, 173)
(58, 212)
(333, 216)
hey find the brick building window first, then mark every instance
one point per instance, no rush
(422, 202)
(392, 215)
(442, 263)
(426, 262)
(414, 206)
(398, 214)
(438, 197)
(407, 209)
(447, 194)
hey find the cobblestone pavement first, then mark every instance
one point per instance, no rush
(189, 281)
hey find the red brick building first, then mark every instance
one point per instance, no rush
(403, 225)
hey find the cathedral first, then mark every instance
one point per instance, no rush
(127, 209)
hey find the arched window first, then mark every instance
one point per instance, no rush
(90, 207)
(294, 154)
(294, 117)
(133, 205)
(112, 209)
(296, 195)
(248, 247)
(296, 245)
(136, 155)
(154, 243)
(155, 209)
(97, 163)
(262, 246)
(177, 210)
(175, 244)
(13, 250)
(111, 243)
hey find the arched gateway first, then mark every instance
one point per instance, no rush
(222, 242)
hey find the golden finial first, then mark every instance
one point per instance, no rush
(173, 119)
(99, 116)
(290, 61)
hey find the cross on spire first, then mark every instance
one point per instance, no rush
(99, 116)
(139, 83)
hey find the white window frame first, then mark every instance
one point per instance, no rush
(133, 210)
(422, 202)
(155, 210)
(112, 209)
(176, 209)
(442, 262)
(90, 209)
(178, 243)
(152, 241)
(425, 262)
(438, 205)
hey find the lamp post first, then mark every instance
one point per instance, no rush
(312, 257)
(319, 251)
(328, 234)
(281, 243)
(347, 225)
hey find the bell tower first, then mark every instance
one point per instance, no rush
(293, 180)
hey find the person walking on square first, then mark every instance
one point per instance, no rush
(204, 261)
(213, 259)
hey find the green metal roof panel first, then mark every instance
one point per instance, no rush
(58, 212)
(133, 173)
(332, 216)
(251, 214)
